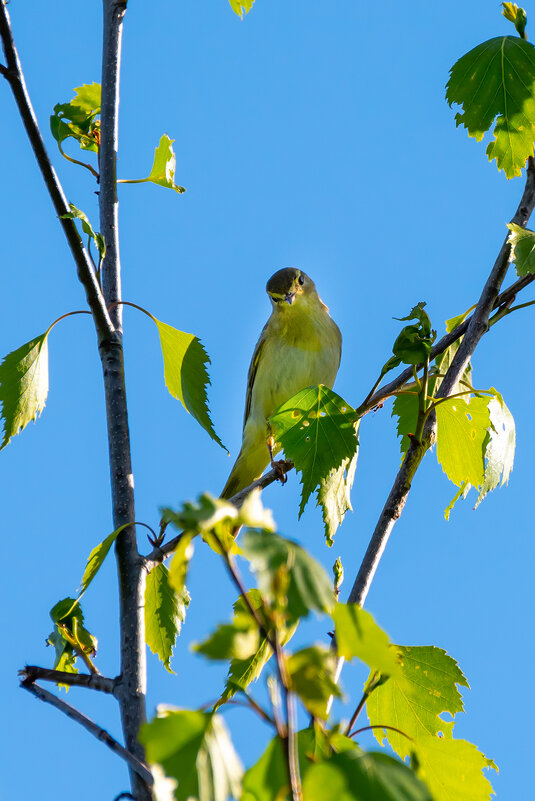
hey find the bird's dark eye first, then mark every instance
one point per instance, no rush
(301, 280)
(275, 300)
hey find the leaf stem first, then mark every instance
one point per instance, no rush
(81, 163)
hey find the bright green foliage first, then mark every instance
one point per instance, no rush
(405, 408)
(96, 558)
(236, 640)
(178, 569)
(444, 360)
(334, 494)
(497, 79)
(461, 438)
(414, 342)
(165, 611)
(357, 776)
(287, 573)
(23, 385)
(500, 447)
(312, 672)
(77, 118)
(522, 242)
(358, 635)
(87, 228)
(185, 373)
(241, 6)
(194, 749)
(69, 622)
(413, 700)
(267, 780)
(452, 769)
(316, 428)
(164, 166)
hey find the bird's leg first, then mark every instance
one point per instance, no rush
(280, 466)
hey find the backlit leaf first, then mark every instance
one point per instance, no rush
(241, 6)
(522, 242)
(461, 434)
(164, 165)
(500, 447)
(236, 640)
(165, 611)
(23, 385)
(334, 495)
(87, 228)
(316, 428)
(452, 769)
(495, 81)
(358, 635)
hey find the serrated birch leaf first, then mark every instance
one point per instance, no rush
(334, 495)
(405, 408)
(164, 166)
(414, 699)
(452, 769)
(23, 385)
(316, 428)
(496, 81)
(185, 373)
(461, 434)
(358, 635)
(522, 242)
(500, 447)
(165, 611)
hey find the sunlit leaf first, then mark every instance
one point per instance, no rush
(334, 495)
(358, 635)
(312, 675)
(164, 165)
(500, 447)
(452, 769)
(495, 81)
(69, 621)
(23, 385)
(522, 242)
(309, 587)
(77, 119)
(414, 699)
(241, 6)
(236, 640)
(165, 611)
(316, 428)
(461, 434)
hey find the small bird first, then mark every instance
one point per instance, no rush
(299, 346)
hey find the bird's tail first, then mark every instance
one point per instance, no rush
(248, 466)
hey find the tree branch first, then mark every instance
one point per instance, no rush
(131, 687)
(101, 734)
(91, 681)
(477, 327)
(15, 77)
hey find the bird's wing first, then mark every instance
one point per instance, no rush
(253, 367)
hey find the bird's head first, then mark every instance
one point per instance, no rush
(288, 285)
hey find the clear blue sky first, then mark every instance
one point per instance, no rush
(310, 134)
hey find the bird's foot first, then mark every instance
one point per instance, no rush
(281, 467)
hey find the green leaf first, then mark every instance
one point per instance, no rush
(413, 700)
(316, 428)
(23, 385)
(496, 80)
(500, 447)
(461, 439)
(413, 344)
(309, 587)
(63, 614)
(185, 373)
(236, 640)
(334, 495)
(405, 408)
(267, 780)
(164, 165)
(522, 242)
(354, 776)
(452, 769)
(178, 569)
(444, 360)
(195, 750)
(87, 228)
(358, 635)
(241, 6)
(77, 118)
(312, 674)
(165, 611)
(95, 560)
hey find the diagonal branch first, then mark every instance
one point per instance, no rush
(15, 77)
(91, 681)
(477, 327)
(98, 732)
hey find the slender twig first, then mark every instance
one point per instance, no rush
(359, 708)
(132, 575)
(91, 681)
(15, 77)
(101, 734)
(380, 726)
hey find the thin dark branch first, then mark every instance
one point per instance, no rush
(98, 732)
(477, 327)
(15, 77)
(358, 710)
(91, 681)
(131, 689)
(380, 726)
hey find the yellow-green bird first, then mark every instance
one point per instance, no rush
(299, 346)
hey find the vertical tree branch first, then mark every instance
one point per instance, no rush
(132, 687)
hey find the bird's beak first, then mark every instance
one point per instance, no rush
(290, 297)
